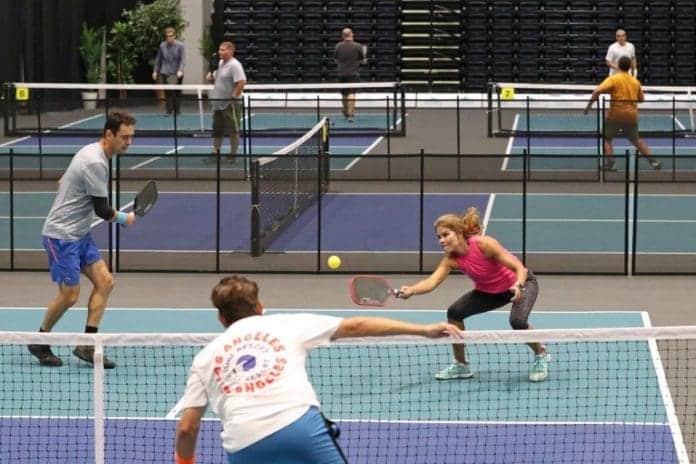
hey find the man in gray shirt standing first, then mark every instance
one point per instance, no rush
(349, 54)
(82, 191)
(169, 67)
(226, 100)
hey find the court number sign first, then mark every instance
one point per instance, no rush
(507, 93)
(22, 94)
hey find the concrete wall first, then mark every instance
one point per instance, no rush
(197, 13)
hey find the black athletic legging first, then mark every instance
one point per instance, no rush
(477, 302)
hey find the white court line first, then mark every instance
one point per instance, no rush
(384, 252)
(619, 195)
(155, 158)
(616, 147)
(672, 418)
(619, 220)
(357, 310)
(11, 142)
(364, 152)
(380, 421)
(511, 142)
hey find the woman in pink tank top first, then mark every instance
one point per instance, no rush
(499, 278)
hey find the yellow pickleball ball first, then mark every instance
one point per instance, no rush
(334, 262)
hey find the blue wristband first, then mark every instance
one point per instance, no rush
(121, 217)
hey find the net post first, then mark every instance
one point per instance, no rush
(627, 207)
(6, 107)
(250, 130)
(320, 190)
(421, 207)
(106, 104)
(600, 106)
(218, 193)
(598, 117)
(527, 115)
(176, 138)
(389, 123)
(402, 92)
(674, 138)
(635, 212)
(115, 226)
(394, 118)
(244, 136)
(255, 213)
(326, 156)
(40, 135)
(489, 116)
(201, 121)
(98, 391)
(318, 108)
(525, 155)
(459, 137)
(110, 191)
(690, 103)
(500, 108)
(12, 247)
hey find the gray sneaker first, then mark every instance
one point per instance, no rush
(609, 165)
(86, 353)
(45, 356)
(455, 371)
(656, 165)
(540, 368)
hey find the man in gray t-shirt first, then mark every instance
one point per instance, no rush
(169, 67)
(226, 100)
(349, 54)
(83, 192)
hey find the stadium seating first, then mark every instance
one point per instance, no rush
(456, 45)
(293, 41)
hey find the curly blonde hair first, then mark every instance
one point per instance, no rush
(467, 224)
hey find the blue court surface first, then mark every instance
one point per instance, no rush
(166, 153)
(600, 404)
(352, 223)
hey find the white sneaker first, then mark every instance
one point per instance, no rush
(455, 370)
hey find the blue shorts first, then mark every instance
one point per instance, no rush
(66, 258)
(305, 441)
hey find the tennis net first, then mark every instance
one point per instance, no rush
(538, 109)
(612, 396)
(284, 185)
(80, 109)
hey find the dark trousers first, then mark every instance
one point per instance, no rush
(172, 97)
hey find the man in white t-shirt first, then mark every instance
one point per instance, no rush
(254, 378)
(620, 48)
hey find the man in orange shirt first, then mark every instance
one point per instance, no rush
(625, 92)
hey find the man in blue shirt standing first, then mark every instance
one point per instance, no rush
(169, 67)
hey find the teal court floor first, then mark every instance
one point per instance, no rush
(385, 398)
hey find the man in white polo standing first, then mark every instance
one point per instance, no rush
(621, 47)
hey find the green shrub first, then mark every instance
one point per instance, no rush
(134, 39)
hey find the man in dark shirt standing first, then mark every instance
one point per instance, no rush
(349, 55)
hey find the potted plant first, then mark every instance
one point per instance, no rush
(134, 39)
(91, 44)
